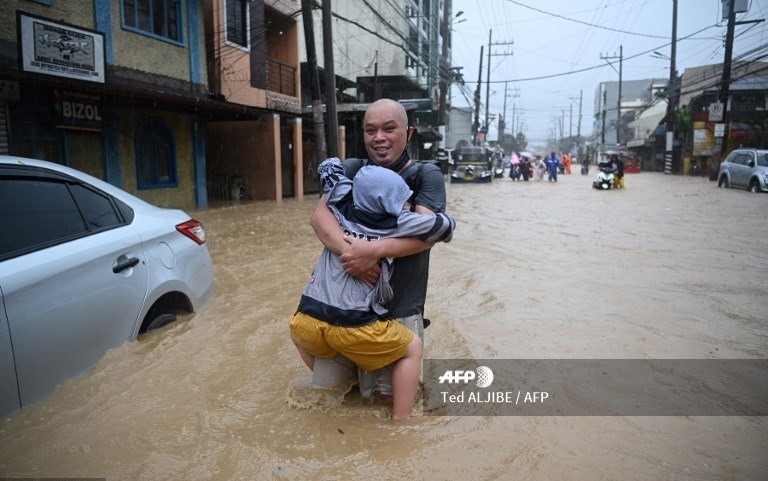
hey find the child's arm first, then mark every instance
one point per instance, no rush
(335, 184)
(429, 228)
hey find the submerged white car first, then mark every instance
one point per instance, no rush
(85, 267)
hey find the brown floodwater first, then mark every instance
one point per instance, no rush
(669, 268)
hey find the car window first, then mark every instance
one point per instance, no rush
(743, 159)
(96, 208)
(762, 160)
(732, 157)
(35, 213)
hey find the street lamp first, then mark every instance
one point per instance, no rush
(453, 20)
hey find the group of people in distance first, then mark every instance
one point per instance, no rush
(361, 312)
(522, 167)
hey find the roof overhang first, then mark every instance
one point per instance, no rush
(428, 134)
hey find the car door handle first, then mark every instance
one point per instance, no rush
(126, 264)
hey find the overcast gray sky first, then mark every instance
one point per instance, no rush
(558, 45)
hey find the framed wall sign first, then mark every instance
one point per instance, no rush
(59, 49)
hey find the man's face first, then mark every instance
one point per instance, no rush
(385, 134)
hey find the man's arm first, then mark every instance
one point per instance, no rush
(361, 254)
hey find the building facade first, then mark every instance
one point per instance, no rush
(135, 92)
(635, 94)
(386, 49)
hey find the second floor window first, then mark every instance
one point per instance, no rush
(237, 22)
(161, 18)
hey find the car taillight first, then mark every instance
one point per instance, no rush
(193, 229)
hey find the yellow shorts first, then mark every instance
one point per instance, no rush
(371, 346)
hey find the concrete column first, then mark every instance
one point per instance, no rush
(342, 142)
(298, 160)
(278, 157)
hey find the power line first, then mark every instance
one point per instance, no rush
(595, 67)
(585, 23)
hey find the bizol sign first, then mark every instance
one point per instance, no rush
(77, 110)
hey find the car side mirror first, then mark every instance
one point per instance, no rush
(751, 164)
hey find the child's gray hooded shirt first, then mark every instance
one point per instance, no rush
(370, 208)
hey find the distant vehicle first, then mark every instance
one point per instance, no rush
(85, 267)
(746, 169)
(472, 164)
(605, 178)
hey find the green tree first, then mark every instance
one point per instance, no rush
(683, 121)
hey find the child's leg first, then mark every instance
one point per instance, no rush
(308, 358)
(308, 336)
(405, 380)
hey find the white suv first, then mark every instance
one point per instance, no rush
(746, 169)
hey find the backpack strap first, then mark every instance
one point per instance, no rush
(414, 180)
(352, 166)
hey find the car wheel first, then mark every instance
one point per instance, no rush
(754, 187)
(723, 183)
(161, 320)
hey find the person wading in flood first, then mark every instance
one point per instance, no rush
(385, 135)
(341, 315)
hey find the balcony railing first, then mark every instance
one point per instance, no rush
(281, 78)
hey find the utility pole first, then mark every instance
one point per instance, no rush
(726, 80)
(488, 76)
(578, 128)
(672, 96)
(725, 83)
(512, 125)
(562, 125)
(476, 124)
(488, 85)
(445, 69)
(330, 82)
(618, 102)
(317, 103)
(503, 116)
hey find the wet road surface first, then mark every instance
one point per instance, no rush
(669, 268)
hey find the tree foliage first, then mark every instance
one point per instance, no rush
(683, 120)
(512, 143)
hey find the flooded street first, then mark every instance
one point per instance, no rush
(669, 268)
